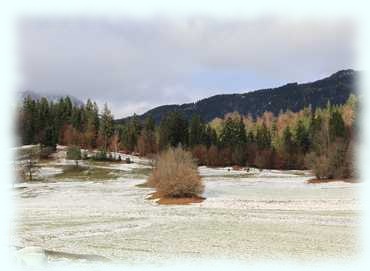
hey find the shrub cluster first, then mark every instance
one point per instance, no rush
(175, 174)
(332, 164)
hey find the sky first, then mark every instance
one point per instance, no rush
(135, 64)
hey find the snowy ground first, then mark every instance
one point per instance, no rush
(247, 215)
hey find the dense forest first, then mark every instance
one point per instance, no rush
(320, 139)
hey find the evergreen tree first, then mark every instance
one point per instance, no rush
(302, 137)
(146, 143)
(50, 138)
(173, 130)
(336, 125)
(28, 120)
(209, 137)
(91, 123)
(288, 143)
(149, 124)
(233, 134)
(289, 148)
(263, 137)
(251, 138)
(196, 131)
(163, 134)
(106, 125)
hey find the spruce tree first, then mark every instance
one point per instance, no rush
(196, 131)
(263, 137)
(302, 137)
(336, 125)
(106, 126)
(176, 129)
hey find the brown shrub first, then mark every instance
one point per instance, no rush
(251, 153)
(278, 160)
(146, 143)
(199, 152)
(213, 156)
(263, 159)
(335, 163)
(70, 136)
(225, 157)
(176, 174)
(319, 164)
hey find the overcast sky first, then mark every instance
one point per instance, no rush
(137, 64)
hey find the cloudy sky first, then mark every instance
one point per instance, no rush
(137, 64)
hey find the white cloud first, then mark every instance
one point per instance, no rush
(136, 64)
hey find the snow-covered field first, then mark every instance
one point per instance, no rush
(246, 215)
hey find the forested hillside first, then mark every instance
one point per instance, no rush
(334, 89)
(320, 139)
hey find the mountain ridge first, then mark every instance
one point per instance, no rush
(335, 89)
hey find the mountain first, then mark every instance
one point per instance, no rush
(293, 96)
(54, 98)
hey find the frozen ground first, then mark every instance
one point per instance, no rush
(247, 215)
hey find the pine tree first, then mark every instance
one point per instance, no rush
(28, 120)
(146, 143)
(289, 147)
(302, 137)
(209, 137)
(288, 143)
(263, 137)
(91, 123)
(233, 133)
(106, 126)
(173, 130)
(196, 131)
(149, 124)
(336, 125)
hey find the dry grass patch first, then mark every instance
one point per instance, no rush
(88, 173)
(174, 201)
(315, 180)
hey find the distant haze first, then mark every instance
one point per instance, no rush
(137, 64)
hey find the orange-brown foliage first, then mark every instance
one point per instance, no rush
(176, 174)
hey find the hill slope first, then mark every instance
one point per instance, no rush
(335, 88)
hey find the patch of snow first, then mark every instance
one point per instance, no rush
(32, 256)
(245, 215)
(49, 171)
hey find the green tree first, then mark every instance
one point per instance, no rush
(149, 124)
(209, 137)
(196, 131)
(233, 134)
(173, 130)
(133, 132)
(263, 137)
(146, 143)
(91, 123)
(106, 125)
(27, 121)
(302, 137)
(289, 148)
(336, 125)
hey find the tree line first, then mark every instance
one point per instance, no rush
(320, 139)
(62, 122)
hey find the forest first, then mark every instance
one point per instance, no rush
(321, 139)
